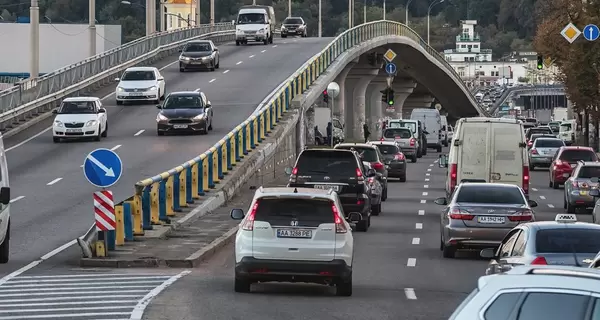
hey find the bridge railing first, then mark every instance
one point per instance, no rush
(157, 199)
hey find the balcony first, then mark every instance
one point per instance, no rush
(467, 38)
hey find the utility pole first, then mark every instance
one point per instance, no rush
(212, 13)
(92, 27)
(320, 20)
(34, 38)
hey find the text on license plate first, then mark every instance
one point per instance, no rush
(490, 220)
(180, 126)
(136, 94)
(294, 233)
(74, 130)
(327, 186)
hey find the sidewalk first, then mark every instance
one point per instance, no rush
(188, 246)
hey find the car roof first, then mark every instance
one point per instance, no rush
(185, 93)
(287, 192)
(294, 18)
(549, 277)
(351, 144)
(141, 69)
(493, 185)
(547, 138)
(76, 99)
(576, 148)
(549, 225)
(199, 41)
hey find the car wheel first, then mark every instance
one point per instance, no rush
(105, 133)
(160, 133)
(266, 42)
(413, 159)
(99, 136)
(241, 285)
(374, 210)
(565, 203)
(119, 102)
(55, 139)
(237, 43)
(425, 151)
(5, 246)
(218, 65)
(555, 185)
(448, 251)
(210, 125)
(419, 154)
(343, 287)
(284, 36)
(379, 209)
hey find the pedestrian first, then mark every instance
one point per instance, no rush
(329, 133)
(366, 132)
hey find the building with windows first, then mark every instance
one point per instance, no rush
(179, 13)
(468, 46)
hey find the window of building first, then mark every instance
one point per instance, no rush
(475, 46)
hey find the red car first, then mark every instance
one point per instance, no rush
(565, 160)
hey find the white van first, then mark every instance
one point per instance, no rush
(488, 150)
(567, 131)
(254, 23)
(4, 206)
(444, 131)
(432, 121)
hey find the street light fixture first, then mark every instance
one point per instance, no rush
(406, 9)
(429, 15)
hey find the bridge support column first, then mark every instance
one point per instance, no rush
(402, 90)
(415, 101)
(358, 79)
(340, 101)
(374, 106)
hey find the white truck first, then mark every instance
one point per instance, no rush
(432, 121)
(255, 23)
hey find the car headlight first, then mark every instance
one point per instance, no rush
(261, 31)
(58, 123)
(91, 123)
(200, 116)
(238, 31)
(152, 88)
(161, 117)
(301, 27)
(120, 89)
(207, 58)
(283, 28)
(184, 58)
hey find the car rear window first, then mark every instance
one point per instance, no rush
(576, 155)
(549, 143)
(327, 162)
(282, 211)
(397, 132)
(587, 172)
(387, 149)
(486, 193)
(565, 240)
(366, 154)
(539, 130)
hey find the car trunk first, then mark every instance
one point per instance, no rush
(491, 215)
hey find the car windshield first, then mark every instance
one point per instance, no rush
(565, 127)
(588, 172)
(251, 18)
(401, 124)
(567, 240)
(138, 76)
(328, 162)
(386, 149)
(77, 107)
(198, 47)
(292, 21)
(366, 154)
(539, 130)
(489, 194)
(549, 143)
(183, 102)
(577, 155)
(401, 133)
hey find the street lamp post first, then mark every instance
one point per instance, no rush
(34, 38)
(406, 9)
(384, 9)
(320, 20)
(429, 15)
(92, 18)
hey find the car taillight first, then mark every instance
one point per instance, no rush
(359, 175)
(412, 142)
(539, 261)
(377, 165)
(560, 164)
(295, 171)
(371, 180)
(340, 227)
(399, 156)
(249, 223)
(294, 174)
(533, 151)
(526, 215)
(453, 176)
(457, 214)
(382, 139)
(529, 143)
(526, 179)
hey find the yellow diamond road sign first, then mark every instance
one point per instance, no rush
(548, 62)
(389, 55)
(570, 32)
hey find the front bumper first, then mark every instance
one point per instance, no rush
(291, 270)
(196, 64)
(195, 126)
(251, 37)
(136, 96)
(75, 133)
(294, 32)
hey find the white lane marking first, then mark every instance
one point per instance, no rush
(138, 311)
(263, 51)
(35, 263)
(416, 241)
(17, 199)
(418, 225)
(252, 56)
(275, 46)
(542, 197)
(115, 147)
(295, 40)
(224, 72)
(431, 165)
(139, 132)
(197, 90)
(534, 189)
(436, 161)
(212, 80)
(421, 212)
(550, 205)
(411, 262)
(426, 186)
(72, 303)
(425, 193)
(410, 294)
(429, 170)
(423, 201)
(53, 181)
(239, 62)
(426, 179)
(427, 174)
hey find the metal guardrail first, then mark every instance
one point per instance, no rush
(158, 198)
(511, 90)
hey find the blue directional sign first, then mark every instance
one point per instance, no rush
(591, 32)
(390, 68)
(102, 168)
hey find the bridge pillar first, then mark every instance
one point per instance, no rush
(374, 109)
(357, 82)
(415, 101)
(340, 101)
(402, 90)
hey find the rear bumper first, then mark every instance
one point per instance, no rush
(474, 238)
(579, 200)
(397, 169)
(291, 270)
(540, 161)
(409, 151)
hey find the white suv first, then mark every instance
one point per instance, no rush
(294, 235)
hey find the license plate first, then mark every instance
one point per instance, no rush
(294, 233)
(74, 130)
(136, 94)
(327, 186)
(490, 220)
(180, 126)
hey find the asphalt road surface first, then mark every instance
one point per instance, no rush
(53, 201)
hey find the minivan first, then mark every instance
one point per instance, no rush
(418, 133)
(255, 23)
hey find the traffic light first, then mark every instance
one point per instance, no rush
(540, 62)
(325, 96)
(387, 96)
(384, 95)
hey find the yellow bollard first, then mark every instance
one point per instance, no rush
(223, 144)
(194, 179)
(154, 204)
(204, 162)
(247, 142)
(261, 123)
(215, 165)
(100, 249)
(241, 142)
(268, 117)
(279, 107)
(182, 186)
(255, 130)
(170, 193)
(136, 210)
(231, 137)
(120, 230)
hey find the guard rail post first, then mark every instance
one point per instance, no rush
(261, 126)
(224, 155)
(162, 200)
(180, 174)
(176, 191)
(244, 138)
(155, 204)
(110, 239)
(239, 146)
(205, 173)
(170, 196)
(120, 228)
(252, 135)
(146, 214)
(215, 165)
(188, 185)
(248, 136)
(127, 222)
(219, 154)
(231, 161)
(211, 183)
(195, 165)
(136, 211)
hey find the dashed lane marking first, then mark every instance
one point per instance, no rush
(275, 46)
(550, 205)
(139, 132)
(252, 56)
(263, 51)
(426, 179)
(426, 186)
(239, 62)
(431, 165)
(534, 189)
(423, 201)
(212, 80)
(411, 262)
(542, 197)
(421, 212)
(428, 174)
(115, 147)
(425, 193)
(429, 170)
(410, 294)
(17, 199)
(224, 72)
(418, 225)
(416, 240)
(53, 181)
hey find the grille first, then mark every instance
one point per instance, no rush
(135, 90)
(178, 121)
(250, 32)
(74, 125)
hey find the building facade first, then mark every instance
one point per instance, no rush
(179, 14)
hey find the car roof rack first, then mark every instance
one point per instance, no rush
(564, 272)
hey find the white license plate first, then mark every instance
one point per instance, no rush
(327, 186)
(180, 126)
(74, 130)
(136, 94)
(294, 233)
(490, 219)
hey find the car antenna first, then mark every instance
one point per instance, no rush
(295, 190)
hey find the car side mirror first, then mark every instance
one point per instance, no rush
(5, 195)
(594, 193)
(208, 104)
(443, 161)
(287, 170)
(159, 107)
(532, 203)
(55, 111)
(117, 79)
(101, 110)
(237, 214)
(216, 49)
(233, 22)
(371, 172)
(441, 201)
(161, 79)
(487, 253)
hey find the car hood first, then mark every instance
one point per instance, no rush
(181, 113)
(196, 54)
(68, 118)
(137, 84)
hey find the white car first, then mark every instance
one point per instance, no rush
(80, 117)
(294, 235)
(140, 84)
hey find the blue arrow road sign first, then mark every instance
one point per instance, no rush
(390, 68)
(591, 32)
(102, 168)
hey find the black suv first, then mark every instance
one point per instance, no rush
(340, 170)
(370, 153)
